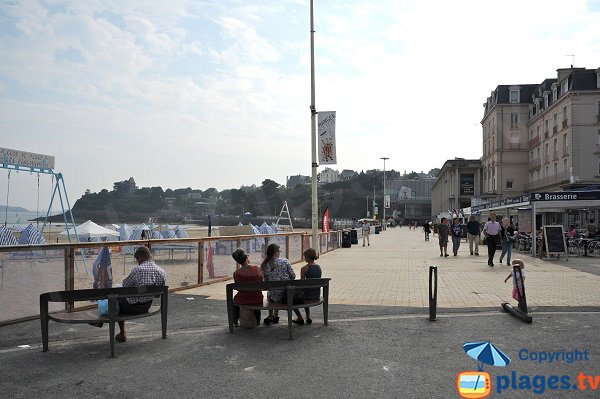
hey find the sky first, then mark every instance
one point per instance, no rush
(216, 93)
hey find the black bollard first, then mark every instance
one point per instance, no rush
(432, 293)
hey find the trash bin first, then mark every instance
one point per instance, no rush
(346, 240)
(377, 229)
(353, 236)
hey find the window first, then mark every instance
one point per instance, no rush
(564, 113)
(514, 120)
(514, 97)
(555, 169)
(546, 125)
(554, 93)
(509, 184)
(565, 165)
(554, 119)
(531, 133)
(565, 145)
(564, 87)
(546, 171)
(546, 100)
(555, 145)
(538, 131)
(531, 152)
(547, 150)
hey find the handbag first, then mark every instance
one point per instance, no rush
(103, 307)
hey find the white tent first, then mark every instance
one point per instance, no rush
(90, 229)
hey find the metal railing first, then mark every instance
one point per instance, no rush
(548, 181)
(535, 140)
(535, 163)
(29, 270)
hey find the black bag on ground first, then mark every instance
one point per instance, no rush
(298, 297)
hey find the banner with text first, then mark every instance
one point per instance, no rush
(326, 138)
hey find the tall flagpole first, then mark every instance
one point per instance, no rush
(313, 135)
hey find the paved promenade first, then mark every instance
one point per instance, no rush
(393, 271)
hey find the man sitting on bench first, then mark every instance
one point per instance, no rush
(146, 273)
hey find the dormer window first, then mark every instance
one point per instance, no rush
(564, 87)
(545, 100)
(554, 93)
(514, 95)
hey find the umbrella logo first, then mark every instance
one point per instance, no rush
(477, 384)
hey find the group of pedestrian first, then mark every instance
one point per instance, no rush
(273, 268)
(494, 234)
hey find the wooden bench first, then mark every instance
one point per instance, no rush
(92, 315)
(289, 286)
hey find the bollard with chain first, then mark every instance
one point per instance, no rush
(432, 292)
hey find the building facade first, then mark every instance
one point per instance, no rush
(542, 136)
(457, 185)
(410, 199)
(329, 175)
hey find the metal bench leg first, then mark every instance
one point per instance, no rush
(44, 322)
(325, 304)
(164, 303)
(289, 312)
(111, 329)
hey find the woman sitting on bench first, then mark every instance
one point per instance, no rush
(275, 269)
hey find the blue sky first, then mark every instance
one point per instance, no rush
(216, 93)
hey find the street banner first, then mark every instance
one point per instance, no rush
(326, 138)
(325, 227)
(386, 202)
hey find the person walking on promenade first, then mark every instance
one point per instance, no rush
(507, 235)
(311, 270)
(473, 232)
(366, 232)
(246, 274)
(145, 273)
(427, 230)
(491, 230)
(275, 269)
(443, 237)
(456, 230)
(517, 283)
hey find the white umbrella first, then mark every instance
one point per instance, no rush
(91, 229)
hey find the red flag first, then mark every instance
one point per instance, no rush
(325, 227)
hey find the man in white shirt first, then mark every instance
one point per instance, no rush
(366, 231)
(491, 230)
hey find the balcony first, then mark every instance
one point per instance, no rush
(535, 164)
(555, 156)
(562, 177)
(514, 146)
(535, 140)
(555, 129)
(564, 123)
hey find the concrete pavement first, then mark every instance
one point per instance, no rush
(393, 271)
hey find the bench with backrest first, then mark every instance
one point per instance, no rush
(289, 286)
(91, 316)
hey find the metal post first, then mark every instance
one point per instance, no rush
(383, 219)
(518, 274)
(432, 293)
(313, 134)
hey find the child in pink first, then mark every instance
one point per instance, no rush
(517, 283)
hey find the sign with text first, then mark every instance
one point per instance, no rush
(326, 138)
(467, 184)
(386, 202)
(566, 196)
(27, 159)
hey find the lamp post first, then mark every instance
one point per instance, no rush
(384, 159)
(313, 136)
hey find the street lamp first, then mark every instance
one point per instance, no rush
(384, 159)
